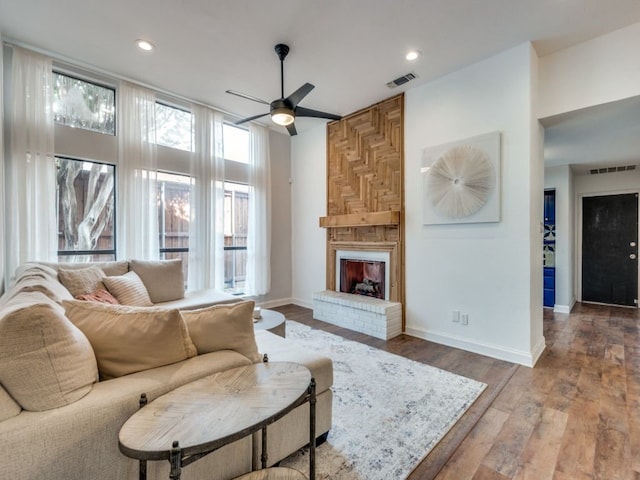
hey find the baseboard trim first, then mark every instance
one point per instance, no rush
(302, 303)
(564, 308)
(275, 303)
(527, 359)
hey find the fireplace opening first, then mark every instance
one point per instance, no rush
(362, 277)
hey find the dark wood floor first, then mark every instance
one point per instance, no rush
(575, 416)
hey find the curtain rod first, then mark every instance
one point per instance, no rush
(92, 68)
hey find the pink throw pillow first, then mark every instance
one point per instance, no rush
(100, 296)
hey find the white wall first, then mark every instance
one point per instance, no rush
(598, 71)
(308, 204)
(280, 151)
(560, 179)
(485, 270)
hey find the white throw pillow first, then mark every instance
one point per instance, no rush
(128, 289)
(131, 339)
(224, 327)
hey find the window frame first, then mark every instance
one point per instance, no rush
(87, 79)
(75, 253)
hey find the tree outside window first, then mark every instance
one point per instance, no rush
(86, 204)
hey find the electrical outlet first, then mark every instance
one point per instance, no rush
(464, 319)
(455, 316)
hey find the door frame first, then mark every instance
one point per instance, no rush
(578, 236)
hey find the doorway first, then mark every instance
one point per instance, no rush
(610, 249)
(549, 249)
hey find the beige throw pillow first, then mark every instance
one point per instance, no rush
(164, 279)
(81, 281)
(128, 289)
(131, 339)
(224, 327)
(45, 361)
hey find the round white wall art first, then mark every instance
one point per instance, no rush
(461, 181)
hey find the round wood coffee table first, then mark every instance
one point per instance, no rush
(204, 415)
(273, 321)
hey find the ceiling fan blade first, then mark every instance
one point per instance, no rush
(299, 94)
(248, 119)
(291, 128)
(248, 97)
(307, 112)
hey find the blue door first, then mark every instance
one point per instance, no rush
(549, 246)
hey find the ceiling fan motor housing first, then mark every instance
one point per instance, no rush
(282, 50)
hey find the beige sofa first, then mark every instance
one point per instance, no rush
(58, 422)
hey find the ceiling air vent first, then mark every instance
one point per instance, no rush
(621, 168)
(401, 80)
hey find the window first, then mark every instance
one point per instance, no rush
(173, 127)
(236, 143)
(81, 104)
(86, 201)
(173, 217)
(236, 221)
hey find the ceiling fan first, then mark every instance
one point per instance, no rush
(283, 110)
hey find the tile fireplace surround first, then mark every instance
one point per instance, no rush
(375, 317)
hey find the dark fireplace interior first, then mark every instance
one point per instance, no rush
(362, 277)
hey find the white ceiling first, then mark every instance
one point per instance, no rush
(349, 49)
(604, 135)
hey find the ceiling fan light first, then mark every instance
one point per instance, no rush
(282, 116)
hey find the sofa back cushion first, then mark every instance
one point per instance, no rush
(129, 290)
(82, 281)
(164, 279)
(224, 327)
(8, 406)
(109, 268)
(131, 339)
(33, 277)
(45, 361)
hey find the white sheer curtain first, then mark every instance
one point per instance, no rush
(31, 171)
(258, 280)
(206, 234)
(137, 172)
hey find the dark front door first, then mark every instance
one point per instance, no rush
(610, 249)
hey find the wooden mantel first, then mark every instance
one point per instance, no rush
(364, 219)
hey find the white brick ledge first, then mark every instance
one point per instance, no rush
(375, 317)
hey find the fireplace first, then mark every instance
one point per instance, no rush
(363, 273)
(362, 277)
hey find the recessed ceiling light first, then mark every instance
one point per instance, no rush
(412, 55)
(145, 45)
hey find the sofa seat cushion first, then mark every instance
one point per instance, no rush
(224, 327)
(131, 339)
(200, 299)
(80, 441)
(45, 361)
(279, 349)
(163, 279)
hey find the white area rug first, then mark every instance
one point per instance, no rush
(388, 411)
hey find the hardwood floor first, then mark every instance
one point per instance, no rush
(575, 416)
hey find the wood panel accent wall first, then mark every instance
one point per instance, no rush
(365, 186)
